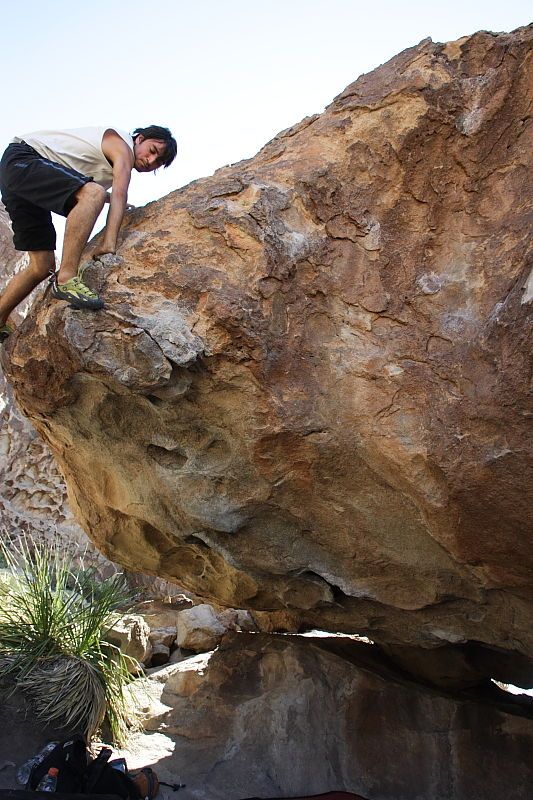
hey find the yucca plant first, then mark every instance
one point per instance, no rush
(53, 618)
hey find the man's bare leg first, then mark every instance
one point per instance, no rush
(42, 262)
(80, 222)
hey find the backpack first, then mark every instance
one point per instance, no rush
(78, 773)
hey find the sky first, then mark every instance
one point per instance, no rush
(224, 75)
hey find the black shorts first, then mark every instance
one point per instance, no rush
(32, 187)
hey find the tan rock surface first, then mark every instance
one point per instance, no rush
(199, 629)
(32, 490)
(159, 614)
(164, 636)
(308, 390)
(33, 495)
(274, 717)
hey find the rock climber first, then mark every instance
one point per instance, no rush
(68, 172)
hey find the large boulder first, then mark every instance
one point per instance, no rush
(281, 717)
(308, 388)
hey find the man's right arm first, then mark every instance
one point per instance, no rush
(129, 206)
(120, 155)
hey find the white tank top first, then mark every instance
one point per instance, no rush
(78, 148)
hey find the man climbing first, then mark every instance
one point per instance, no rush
(68, 172)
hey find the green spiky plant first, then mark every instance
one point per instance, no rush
(53, 618)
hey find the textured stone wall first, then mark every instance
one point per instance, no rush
(281, 717)
(33, 495)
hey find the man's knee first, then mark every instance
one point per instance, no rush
(91, 193)
(42, 262)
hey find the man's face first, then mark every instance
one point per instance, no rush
(148, 153)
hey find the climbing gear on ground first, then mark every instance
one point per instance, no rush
(147, 783)
(75, 292)
(79, 773)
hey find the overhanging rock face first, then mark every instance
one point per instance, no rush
(308, 388)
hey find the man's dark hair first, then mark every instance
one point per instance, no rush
(162, 135)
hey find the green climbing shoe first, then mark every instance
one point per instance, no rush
(5, 331)
(75, 292)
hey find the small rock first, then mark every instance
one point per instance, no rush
(131, 634)
(164, 636)
(199, 629)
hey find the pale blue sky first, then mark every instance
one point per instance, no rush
(224, 75)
